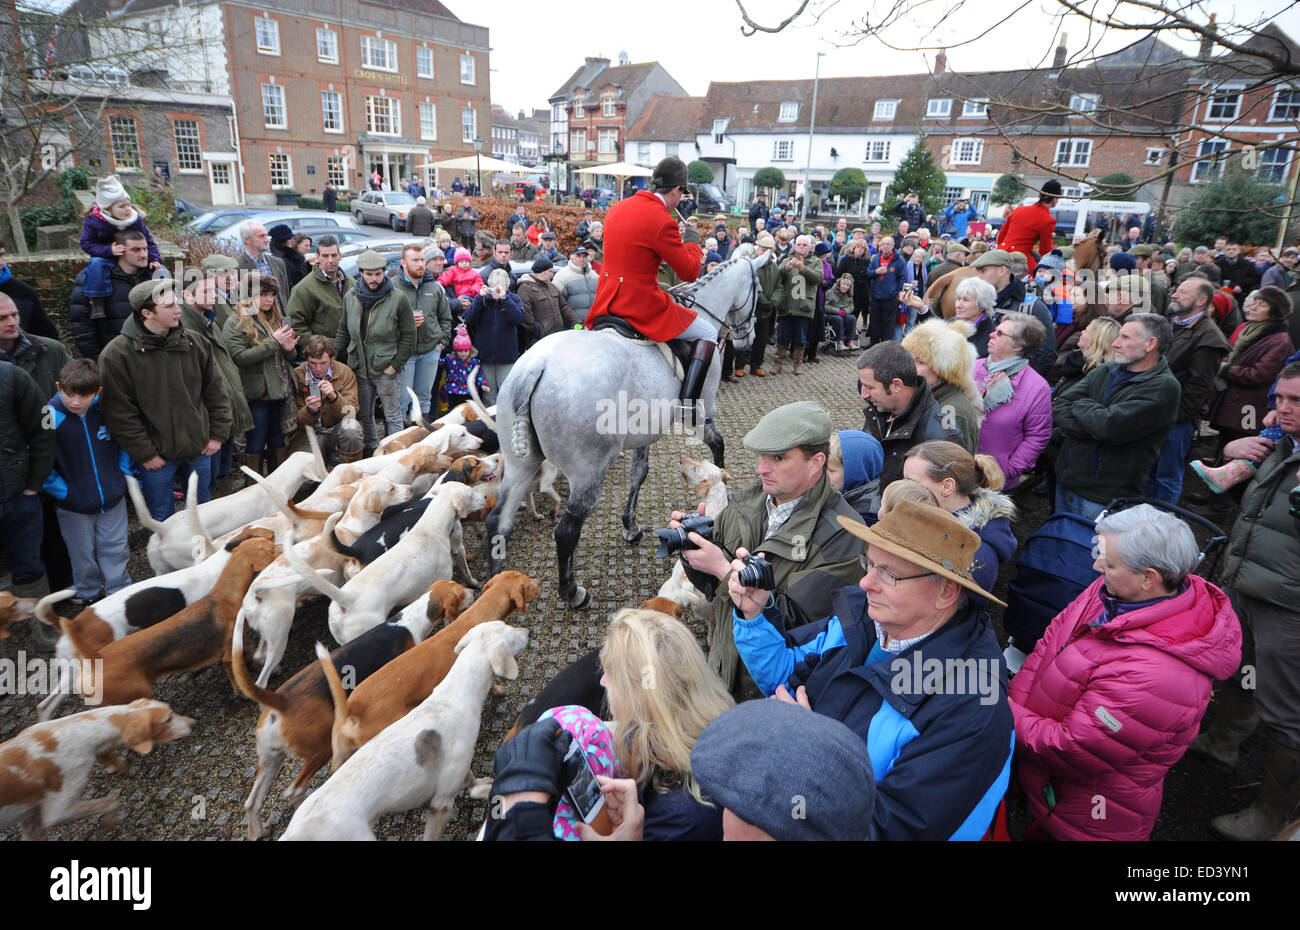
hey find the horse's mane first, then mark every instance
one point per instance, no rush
(688, 287)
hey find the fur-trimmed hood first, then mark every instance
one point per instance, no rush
(986, 506)
(943, 347)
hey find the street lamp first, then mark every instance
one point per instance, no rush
(812, 125)
(478, 171)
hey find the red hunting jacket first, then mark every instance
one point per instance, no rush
(1028, 229)
(639, 233)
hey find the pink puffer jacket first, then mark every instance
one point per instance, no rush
(1104, 712)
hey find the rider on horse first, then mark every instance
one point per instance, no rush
(640, 232)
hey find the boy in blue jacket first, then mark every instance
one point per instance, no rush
(88, 485)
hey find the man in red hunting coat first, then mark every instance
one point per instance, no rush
(640, 232)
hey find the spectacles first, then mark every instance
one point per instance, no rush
(885, 575)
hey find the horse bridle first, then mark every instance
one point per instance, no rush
(747, 324)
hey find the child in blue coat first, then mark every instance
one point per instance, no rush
(111, 213)
(455, 389)
(88, 485)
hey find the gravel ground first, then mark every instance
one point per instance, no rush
(194, 789)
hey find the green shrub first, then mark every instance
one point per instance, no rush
(315, 203)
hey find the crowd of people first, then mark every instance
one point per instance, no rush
(885, 540)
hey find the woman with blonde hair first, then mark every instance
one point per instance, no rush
(1096, 347)
(968, 486)
(943, 358)
(263, 345)
(661, 695)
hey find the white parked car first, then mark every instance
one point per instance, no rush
(385, 208)
(316, 220)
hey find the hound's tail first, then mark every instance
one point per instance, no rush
(239, 671)
(523, 438)
(337, 692)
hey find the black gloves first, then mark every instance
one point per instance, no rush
(532, 760)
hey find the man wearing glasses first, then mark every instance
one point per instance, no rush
(789, 515)
(909, 661)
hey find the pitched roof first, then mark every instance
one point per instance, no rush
(624, 77)
(503, 117)
(668, 119)
(579, 78)
(99, 9)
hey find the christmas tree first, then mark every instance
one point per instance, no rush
(917, 173)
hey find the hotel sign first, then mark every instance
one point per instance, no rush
(379, 76)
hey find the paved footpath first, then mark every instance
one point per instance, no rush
(195, 788)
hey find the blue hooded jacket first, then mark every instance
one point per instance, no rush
(89, 467)
(864, 458)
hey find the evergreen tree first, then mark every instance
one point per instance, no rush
(849, 183)
(769, 179)
(1007, 191)
(1117, 186)
(1239, 205)
(918, 173)
(699, 172)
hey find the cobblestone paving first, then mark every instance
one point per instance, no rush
(194, 789)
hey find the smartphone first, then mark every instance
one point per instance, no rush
(314, 390)
(583, 790)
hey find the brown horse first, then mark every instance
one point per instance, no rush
(943, 291)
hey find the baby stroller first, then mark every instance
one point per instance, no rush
(1054, 566)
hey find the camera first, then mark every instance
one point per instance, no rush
(674, 539)
(757, 573)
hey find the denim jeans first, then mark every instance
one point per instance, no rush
(846, 327)
(222, 462)
(156, 486)
(266, 427)
(419, 375)
(792, 331)
(1166, 480)
(388, 388)
(98, 282)
(1069, 502)
(23, 524)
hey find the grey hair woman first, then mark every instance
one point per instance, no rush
(975, 298)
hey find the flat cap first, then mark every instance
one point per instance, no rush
(955, 246)
(765, 241)
(1019, 262)
(149, 291)
(547, 235)
(994, 257)
(219, 262)
(370, 260)
(795, 775)
(804, 423)
(1142, 250)
(542, 263)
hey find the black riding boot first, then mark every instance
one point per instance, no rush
(698, 369)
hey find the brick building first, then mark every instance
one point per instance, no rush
(592, 111)
(505, 134)
(329, 89)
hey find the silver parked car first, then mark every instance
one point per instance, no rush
(385, 208)
(316, 220)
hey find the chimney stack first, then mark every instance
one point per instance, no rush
(1207, 41)
(941, 62)
(1058, 61)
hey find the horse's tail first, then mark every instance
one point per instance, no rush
(521, 430)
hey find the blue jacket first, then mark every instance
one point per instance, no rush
(888, 285)
(88, 465)
(955, 223)
(494, 328)
(942, 760)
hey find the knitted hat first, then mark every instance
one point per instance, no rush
(109, 191)
(822, 248)
(1123, 261)
(463, 256)
(462, 341)
(1051, 260)
(761, 757)
(589, 732)
(945, 352)
(712, 257)
(280, 232)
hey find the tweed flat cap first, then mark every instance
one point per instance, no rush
(147, 291)
(956, 246)
(370, 260)
(804, 423)
(795, 774)
(219, 262)
(994, 257)
(1142, 250)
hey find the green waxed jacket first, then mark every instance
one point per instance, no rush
(389, 337)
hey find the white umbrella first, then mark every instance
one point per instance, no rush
(478, 163)
(619, 169)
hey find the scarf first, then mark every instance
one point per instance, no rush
(997, 391)
(119, 224)
(1250, 333)
(368, 297)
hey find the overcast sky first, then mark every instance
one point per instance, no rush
(698, 41)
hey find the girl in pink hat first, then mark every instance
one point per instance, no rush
(456, 388)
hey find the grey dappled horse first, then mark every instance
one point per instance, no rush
(579, 398)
